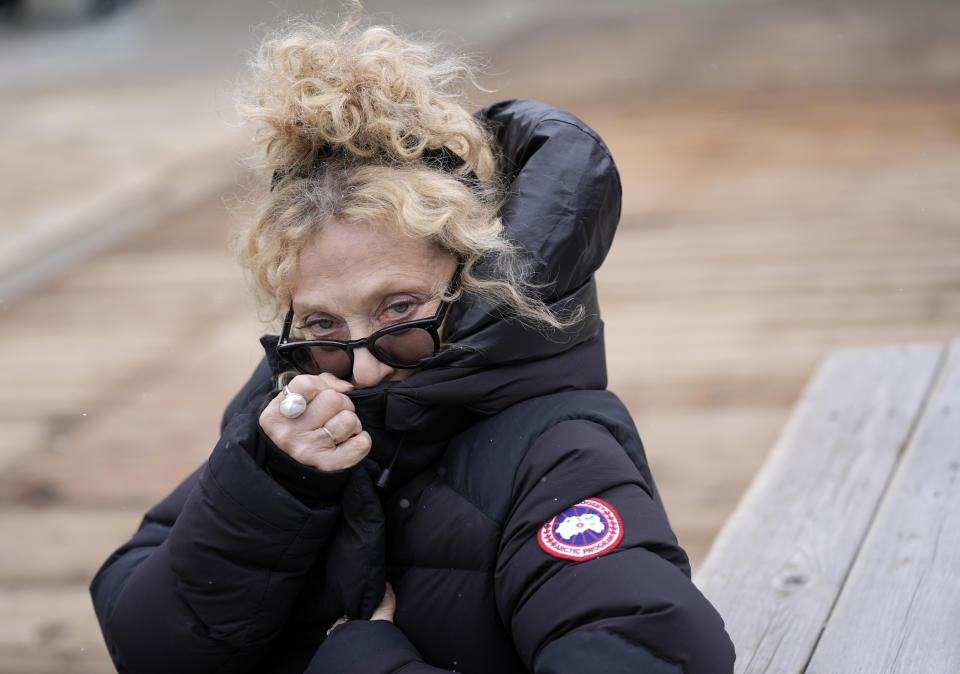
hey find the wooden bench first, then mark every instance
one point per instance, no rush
(844, 553)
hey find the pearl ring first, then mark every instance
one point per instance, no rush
(293, 405)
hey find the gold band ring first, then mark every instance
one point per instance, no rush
(329, 435)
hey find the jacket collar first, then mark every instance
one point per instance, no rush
(423, 412)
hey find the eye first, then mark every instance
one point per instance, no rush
(320, 327)
(403, 309)
(319, 324)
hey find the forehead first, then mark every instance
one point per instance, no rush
(347, 267)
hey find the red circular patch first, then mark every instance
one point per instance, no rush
(586, 530)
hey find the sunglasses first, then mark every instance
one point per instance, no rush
(401, 345)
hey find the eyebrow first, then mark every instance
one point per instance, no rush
(380, 292)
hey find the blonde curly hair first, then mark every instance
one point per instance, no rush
(352, 120)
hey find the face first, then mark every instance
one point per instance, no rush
(353, 280)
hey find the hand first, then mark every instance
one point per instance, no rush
(385, 611)
(387, 607)
(328, 434)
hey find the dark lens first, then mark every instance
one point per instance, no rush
(320, 359)
(405, 348)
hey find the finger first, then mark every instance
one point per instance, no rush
(288, 403)
(335, 383)
(323, 407)
(352, 450)
(332, 402)
(306, 385)
(340, 621)
(270, 415)
(311, 385)
(346, 455)
(322, 401)
(387, 607)
(342, 426)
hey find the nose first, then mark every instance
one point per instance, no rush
(367, 370)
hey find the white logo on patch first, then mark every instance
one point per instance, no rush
(572, 526)
(585, 530)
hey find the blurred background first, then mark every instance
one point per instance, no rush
(791, 176)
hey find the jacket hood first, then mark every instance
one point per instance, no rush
(562, 209)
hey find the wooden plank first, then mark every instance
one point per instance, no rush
(45, 629)
(60, 545)
(778, 564)
(900, 608)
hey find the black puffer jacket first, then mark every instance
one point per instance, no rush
(521, 528)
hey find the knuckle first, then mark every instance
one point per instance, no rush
(347, 418)
(331, 432)
(302, 382)
(299, 454)
(285, 434)
(354, 456)
(280, 438)
(329, 397)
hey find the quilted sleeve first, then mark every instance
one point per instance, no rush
(208, 581)
(590, 576)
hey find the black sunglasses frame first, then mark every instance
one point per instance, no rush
(431, 325)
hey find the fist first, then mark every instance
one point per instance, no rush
(328, 435)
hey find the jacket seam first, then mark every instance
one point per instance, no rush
(267, 590)
(514, 496)
(580, 127)
(476, 506)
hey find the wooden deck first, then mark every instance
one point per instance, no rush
(843, 554)
(717, 310)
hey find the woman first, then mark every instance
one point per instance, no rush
(433, 413)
